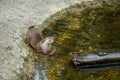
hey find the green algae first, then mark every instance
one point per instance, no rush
(89, 26)
(93, 25)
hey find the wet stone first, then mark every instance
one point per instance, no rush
(81, 28)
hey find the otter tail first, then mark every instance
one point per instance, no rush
(31, 27)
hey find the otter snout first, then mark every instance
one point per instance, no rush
(50, 39)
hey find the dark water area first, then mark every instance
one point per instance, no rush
(93, 25)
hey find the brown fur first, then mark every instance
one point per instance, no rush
(35, 39)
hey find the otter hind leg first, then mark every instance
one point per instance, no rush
(28, 45)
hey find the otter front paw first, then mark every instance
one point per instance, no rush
(52, 52)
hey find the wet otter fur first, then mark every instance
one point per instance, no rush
(35, 40)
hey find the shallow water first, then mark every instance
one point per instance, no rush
(85, 27)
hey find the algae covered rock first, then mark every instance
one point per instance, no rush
(91, 25)
(87, 26)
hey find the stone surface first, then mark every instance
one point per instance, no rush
(81, 28)
(15, 18)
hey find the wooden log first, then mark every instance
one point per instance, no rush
(96, 59)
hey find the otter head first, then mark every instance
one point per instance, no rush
(49, 40)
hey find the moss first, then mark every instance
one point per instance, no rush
(92, 25)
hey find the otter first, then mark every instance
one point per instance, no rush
(35, 40)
